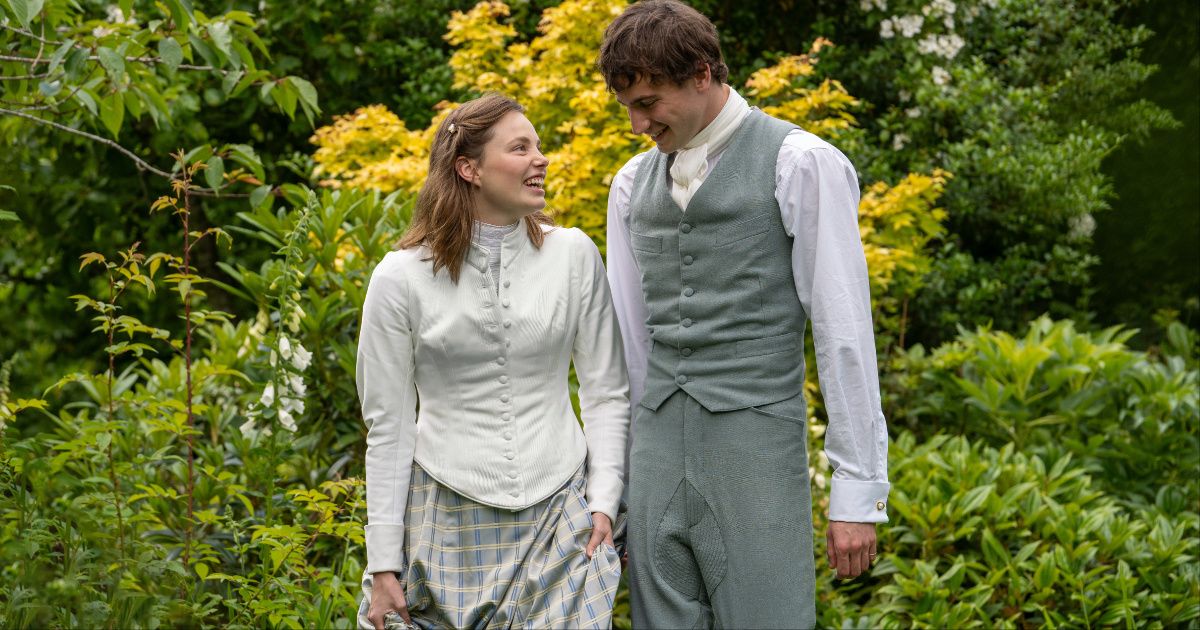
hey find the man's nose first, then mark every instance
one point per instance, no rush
(640, 123)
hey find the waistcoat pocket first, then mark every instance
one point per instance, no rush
(644, 243)
(767, 345)
(743, 230)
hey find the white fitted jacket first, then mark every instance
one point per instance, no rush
(494, 420)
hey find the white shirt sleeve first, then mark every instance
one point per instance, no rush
(603, 385)
(818, 195)
(388, 394)
(629, 302)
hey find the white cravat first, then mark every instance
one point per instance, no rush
(691, 162)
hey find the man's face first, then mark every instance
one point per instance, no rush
(670, 114)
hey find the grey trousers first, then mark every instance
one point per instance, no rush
(720, 517)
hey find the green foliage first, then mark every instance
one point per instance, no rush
(986, 537)
(1132, 417)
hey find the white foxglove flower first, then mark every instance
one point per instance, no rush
(301, 358)
(248, 429)
(285, 348)
(286, 419)
(268, 395)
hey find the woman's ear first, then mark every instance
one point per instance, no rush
(465, 167)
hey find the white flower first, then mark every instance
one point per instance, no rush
(287, 420)
(944, 6)
(940, 76)
(301, 358)
(817, 429)
(904, 96)
(268, 395)
(296, 384)
(941, 45)
(909, 25)
(899, 140)
(248, 429)
(885, 29)
(293, 405)
(1082, 226)
(948, 21)
(866, 5)
(273, 359)
(820, 481)
(101, 32)
(285, 348)
(913, 112)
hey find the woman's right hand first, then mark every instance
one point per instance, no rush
(386, 596)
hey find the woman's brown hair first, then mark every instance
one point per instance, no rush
(444, 218)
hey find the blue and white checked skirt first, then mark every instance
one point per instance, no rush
(475, 566)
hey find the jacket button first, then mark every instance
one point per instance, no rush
(687, 322)
(687, 352)
(687, 260)
(512, 474)
(505, 303)
(681, 379)
(685, 228)
(501, 361)
(507, 323)
(503, 379)
(689, 292)
(509, 455)
(506, 416)
(506, 284)
(508, 435)
(505, 398)
(515, 493)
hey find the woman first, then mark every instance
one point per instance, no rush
(490, 506)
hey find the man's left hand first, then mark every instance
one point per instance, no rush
(850, 547)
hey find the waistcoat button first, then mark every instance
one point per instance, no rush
(687, 352)
(681, 379)
(689, 292)
(687, 260)
(687, 322)
(685, 228)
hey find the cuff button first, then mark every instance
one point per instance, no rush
(879, 505)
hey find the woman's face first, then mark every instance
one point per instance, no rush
(509, 177)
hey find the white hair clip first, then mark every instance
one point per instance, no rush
(451, 128)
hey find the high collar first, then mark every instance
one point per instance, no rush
(511, 247)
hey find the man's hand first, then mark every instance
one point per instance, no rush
(850, 547)
(386, 596)
(601, 532)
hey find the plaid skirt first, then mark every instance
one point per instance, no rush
(475, 566)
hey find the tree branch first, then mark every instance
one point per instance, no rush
(142, 164)
(147, 60)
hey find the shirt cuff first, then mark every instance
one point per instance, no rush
(855, 501)
(385, 548)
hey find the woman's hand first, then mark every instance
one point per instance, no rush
(386, 596)
(601, 532)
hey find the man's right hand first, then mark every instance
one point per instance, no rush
(386, 596)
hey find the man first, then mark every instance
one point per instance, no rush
(722, 242)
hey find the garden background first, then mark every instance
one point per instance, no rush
(194, 195)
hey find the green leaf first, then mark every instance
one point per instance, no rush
(205, 51)
(258, 195)
(26, 10)
(5, 215)
(50, 88)
(171, 53)
(284, 96)
(181, 13)
(113, 62)
(60, 55)
(112, 112)
(214, 175)
(308, 93)
(201, 570)
(221, 38)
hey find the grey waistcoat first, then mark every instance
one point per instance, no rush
(726, 324)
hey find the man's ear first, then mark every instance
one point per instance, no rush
(466, 169)
(703, 76)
